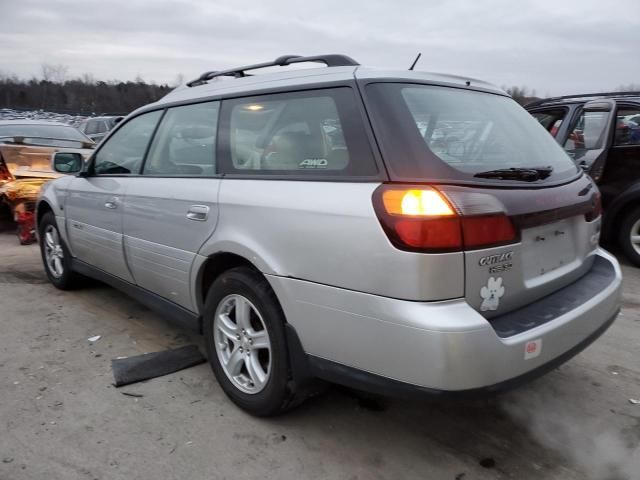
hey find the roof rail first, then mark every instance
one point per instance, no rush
(585, 95)
(331, 60)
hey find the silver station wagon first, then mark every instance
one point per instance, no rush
(394, 231)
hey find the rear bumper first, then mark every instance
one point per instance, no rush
(378, 343)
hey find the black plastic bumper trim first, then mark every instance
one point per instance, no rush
(601, 275)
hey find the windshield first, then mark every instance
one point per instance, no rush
(441, 133)
(50, 135)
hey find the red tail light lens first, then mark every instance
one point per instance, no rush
(431, 234)
(596, 210)
(422, 219)
(487, 230)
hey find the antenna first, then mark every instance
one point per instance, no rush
(415, 61)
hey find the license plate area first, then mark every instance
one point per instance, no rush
(547, 248)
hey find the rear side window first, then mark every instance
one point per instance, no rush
(184, 144)
(313, 133)
(431, 133)
(628, 126)
(123, 151)
(92, 127)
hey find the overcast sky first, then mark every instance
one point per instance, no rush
(556, 47)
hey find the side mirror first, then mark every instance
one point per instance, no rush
(67, 162)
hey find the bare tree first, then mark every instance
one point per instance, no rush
(54, 73)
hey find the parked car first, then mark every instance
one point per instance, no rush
(601, 132)
(97, 127)
(26, 147)
(354, 254)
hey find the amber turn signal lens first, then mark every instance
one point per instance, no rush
(422, 203)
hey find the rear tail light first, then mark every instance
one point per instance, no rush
(596, 208)
(422, 219)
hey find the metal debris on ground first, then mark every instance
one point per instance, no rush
(633, 401)
(94, 339)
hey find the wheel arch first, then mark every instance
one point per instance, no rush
(214, 266)
(220, 262)
(621, 206)
(42, 207)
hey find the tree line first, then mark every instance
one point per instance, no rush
(54, 92)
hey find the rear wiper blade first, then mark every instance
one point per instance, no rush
(523, 174)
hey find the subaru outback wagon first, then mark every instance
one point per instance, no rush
(394, 231)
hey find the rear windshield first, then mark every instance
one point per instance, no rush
(441, 133)
(49, 135)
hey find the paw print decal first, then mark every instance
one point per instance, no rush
(491, 294)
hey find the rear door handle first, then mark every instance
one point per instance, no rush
(112, 203)
(198, 213)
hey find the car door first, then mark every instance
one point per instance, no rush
(623, 157)
(94, 205)
(174, 209)
(590, 134)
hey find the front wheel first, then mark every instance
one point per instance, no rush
(55, 255)
(245, 340)
(630, 236)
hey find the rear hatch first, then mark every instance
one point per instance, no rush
(528, 217)
(556, 231)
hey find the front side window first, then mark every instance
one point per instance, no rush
(124, 151)
(184, 144)
(298, 133)
(441, 133)
(550, 119)
(627, 126)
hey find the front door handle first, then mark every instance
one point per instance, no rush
(111, 203)
(198, 213)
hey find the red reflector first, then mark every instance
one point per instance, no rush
(487, 230)
(436, 233)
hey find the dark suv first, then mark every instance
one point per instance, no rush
(601, 132)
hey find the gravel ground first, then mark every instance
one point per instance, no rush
(61, 418)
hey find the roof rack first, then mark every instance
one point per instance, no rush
(331, 60)
(585, 95)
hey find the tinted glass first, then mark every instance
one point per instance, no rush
(550, 119)
(440, 133)
(124, 150)
(91, 127)
(301, 133)
(185, 144)
(55, 135)
(627, 127)
(588, 132)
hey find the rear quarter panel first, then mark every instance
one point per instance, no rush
(328, 233)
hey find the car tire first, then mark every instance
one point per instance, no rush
(244, 330)
(55, 254)
(630, 236)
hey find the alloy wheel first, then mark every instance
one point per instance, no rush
(635, 236)
(53, 253)
(242, 343)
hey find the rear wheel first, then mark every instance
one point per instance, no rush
(245, 340)
(55, 255)
(630, 236)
